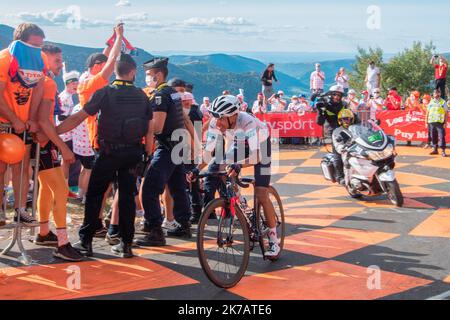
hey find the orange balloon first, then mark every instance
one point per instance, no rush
(12, 148)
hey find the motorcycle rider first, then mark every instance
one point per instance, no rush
(329, 106)
(345, 118)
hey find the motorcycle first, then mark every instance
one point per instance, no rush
(369, 162)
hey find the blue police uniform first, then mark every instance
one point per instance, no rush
(162, 171)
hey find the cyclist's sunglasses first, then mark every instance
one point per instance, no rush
(215, 114)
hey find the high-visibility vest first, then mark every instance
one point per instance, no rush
(436, 111)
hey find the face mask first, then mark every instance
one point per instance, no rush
(186, 111)
(151, 81)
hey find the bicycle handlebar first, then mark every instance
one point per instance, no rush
(243, 183)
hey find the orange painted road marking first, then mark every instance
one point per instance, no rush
(99, 277)
(333, 242)
(437, 225)
(329, 280)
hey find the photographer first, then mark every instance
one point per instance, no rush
(440, 74)
(278, 104)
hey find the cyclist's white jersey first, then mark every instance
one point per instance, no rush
(248, 130)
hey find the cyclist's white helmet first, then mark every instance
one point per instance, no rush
(225, 106)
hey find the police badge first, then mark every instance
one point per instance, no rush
(158, 101)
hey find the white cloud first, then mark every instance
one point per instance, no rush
(123, 3)
(134, 17)
(60, 17)
(217, 21)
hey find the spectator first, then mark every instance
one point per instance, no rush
(393, 100)
(317, 81)
(267, 80)
(352, 101)
(375, 104)
(342, 80)
(436, 120)
(278, 104)
(373, 77)
(440, 73)
(413, 102)
(260, 105)
(205, 106)
(299, 105)
(19, 105)
(226, 92)
(178, 84)
(294, 106)
(244, 105)
(67, 105)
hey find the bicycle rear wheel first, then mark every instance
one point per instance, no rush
(279, 212)
(223, 244)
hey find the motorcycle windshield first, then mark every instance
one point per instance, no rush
(372, 135)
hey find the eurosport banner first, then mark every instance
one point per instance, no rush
(406, 125)
(291, 125)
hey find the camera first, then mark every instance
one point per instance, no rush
(277, 96)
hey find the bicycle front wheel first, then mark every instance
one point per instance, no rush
(223, 244)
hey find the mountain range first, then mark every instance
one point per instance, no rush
(210, 74)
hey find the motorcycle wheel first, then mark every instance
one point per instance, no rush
(394, 193)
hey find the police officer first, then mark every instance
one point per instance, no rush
(125, 118)
(436, 120)
(329, 106)
(168, 117)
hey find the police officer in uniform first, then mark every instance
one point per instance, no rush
(329, 106)
(125, 119)
(168, 117)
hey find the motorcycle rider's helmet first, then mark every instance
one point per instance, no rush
(346, 118)
(336, 92)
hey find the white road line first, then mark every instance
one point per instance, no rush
(441, 296)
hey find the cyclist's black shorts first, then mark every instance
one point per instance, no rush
(262, 169)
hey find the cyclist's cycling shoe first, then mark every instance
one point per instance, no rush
(273, 252)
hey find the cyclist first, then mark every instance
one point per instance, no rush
(243, 133)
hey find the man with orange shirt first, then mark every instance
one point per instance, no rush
(53, 188)
(22, 70)
(100, 68)
(413, 102)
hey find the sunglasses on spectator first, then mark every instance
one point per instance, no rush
(377, 92)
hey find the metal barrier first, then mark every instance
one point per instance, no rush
(17, 227)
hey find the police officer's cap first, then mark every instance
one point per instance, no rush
(126, 58)
(175, 82)
(156, 63)
(96, 58)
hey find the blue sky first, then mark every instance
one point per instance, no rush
(239, 25)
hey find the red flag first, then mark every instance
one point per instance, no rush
(126, 45)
